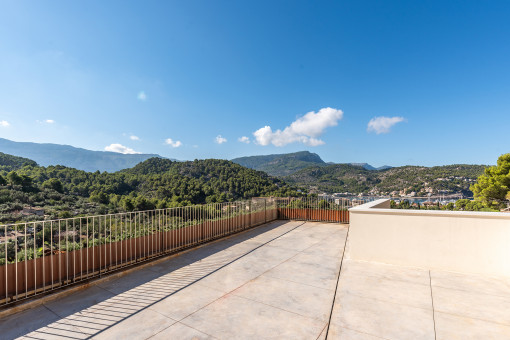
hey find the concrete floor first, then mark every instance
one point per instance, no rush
(277, 281)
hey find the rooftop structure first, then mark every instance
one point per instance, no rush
(292, 280)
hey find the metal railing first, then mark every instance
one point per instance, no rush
(40, 256)
(37, 257)
(327, 209)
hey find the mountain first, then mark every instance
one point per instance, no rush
(66, 155)
(155, 183)
(357, 179)
(281, 164)
(367, 166)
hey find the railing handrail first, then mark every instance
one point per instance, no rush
(120, 213)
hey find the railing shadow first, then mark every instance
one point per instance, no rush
(95, 309)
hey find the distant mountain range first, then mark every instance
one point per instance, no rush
(281, 164)
(289, 163)
(302, 169)
(46, 154)
(367, 166)
(70, 156)
(355, 179)
(308, 170)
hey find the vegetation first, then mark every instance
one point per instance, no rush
(154, 183)
(10, 163)
(26, 241)
(492, 189)
(459, 205)
(406, 179)
(281, 164)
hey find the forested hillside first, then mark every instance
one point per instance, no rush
(9, 162)
(155, 183)
(281, 164)
(405, 179)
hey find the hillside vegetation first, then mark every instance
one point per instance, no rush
(281, 164)
(340, 178)
(9, 162)
(154, 183)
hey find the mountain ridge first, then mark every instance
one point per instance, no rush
(46, 154)
(155, 183)
(355, 179)
(288, 163)
(280, 164)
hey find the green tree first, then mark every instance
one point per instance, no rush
(14, 179)
(493, 186)
(55, 184)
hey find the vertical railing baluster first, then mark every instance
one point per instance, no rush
(5, 266)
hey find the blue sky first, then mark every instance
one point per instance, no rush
(433, 77)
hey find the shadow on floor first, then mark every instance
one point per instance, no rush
(90, 312)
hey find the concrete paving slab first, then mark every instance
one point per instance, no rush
(339, 333)
(58, 330)
(472, 283)
(235, 275)
(383, 289)
(294, 297)
(170, 265)
(297, 269)
(142, 325)
(186, 301)
(323, 231)
(387, 271)
(19, 324)
(329, 248)
(294, 241)
(451, 327)
(181, 332)
(78, 301)
(472, 305)
(272, 256)
(381, 318)
(233, 317)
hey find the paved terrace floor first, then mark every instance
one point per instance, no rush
(277, 281)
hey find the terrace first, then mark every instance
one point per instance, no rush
(376, 278)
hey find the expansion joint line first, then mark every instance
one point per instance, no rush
(433, 310)
(337, 282)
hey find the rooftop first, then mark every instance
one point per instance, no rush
(284, 280)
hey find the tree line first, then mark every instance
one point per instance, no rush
(154, 183)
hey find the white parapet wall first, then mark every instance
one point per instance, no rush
(460, 241)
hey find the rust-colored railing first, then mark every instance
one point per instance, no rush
(327, 209)
(37, 257)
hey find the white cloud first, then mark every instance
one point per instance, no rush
(244, 139)
(142, 96)
(172, 143)
(383, 124)
(4, 123)
(120, 149)
(304, 130)
(220, 140)
(133, 137)
(49, 121)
